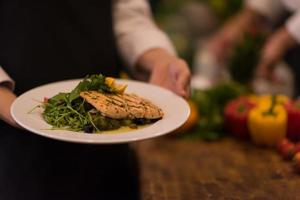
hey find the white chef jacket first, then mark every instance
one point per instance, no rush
(272, 9)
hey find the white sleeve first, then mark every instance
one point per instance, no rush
(293, 26)
(6, 80)
(136, 31)
(271, 9)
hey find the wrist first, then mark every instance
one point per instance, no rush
(4, 89)
(6, 100)
(276, 47)
(8, 84)
(153, 58)
(244, 21)
(249, 18)
(287, 39)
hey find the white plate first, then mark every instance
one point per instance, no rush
(175, 108)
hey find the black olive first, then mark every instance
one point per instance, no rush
(139, 121)
(142, 121)
(88, 128)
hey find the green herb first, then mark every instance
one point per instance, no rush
(210, 104)
(94, 83)
(245, 57)
(68, 111)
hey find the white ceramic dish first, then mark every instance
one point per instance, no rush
(175, 108)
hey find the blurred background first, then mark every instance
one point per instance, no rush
(190, 24)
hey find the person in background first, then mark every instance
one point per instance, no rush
(47, 41)
(254, 14)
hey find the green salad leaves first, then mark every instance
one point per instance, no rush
(69, 111)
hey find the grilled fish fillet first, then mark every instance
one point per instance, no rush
(122, 106)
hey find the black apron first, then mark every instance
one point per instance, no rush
(46, 41)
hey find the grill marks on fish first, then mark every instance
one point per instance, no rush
(122, 106)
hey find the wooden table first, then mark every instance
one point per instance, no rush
(172, 169)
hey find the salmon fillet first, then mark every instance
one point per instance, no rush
(122, 106)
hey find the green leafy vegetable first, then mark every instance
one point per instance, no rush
(210, 104)
(71, 112)
(245, 57)
(93, 82)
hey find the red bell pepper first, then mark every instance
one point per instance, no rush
(293, 122)
(236, 117)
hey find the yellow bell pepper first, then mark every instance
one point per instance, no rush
(109, 81)
(267, 126)
(265, 101)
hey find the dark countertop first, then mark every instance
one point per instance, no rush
(173, 169)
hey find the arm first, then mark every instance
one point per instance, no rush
(277, 45)
(145, 48)
(224, 40)
(269, 9)
(7, 97)
(135, 30)
(6, 100)
(253, 13)
(5, 80)
(293, 27)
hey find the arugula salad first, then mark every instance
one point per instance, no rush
(70, 111)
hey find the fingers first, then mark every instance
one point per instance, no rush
(222, 42)
(13, 123)
(264, 71)
(217, 46)
(157, 74)
(272, 52)
(182, 76)
(173, 75)
(167, 71)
